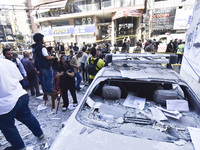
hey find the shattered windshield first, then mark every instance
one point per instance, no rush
(158, 111)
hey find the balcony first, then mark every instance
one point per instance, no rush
(77, 9)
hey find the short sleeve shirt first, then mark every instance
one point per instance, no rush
(75, 61)
(10, 87)
(65, 80)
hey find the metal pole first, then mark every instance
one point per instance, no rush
(150, 19)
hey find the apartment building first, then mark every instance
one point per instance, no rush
(6, 33)
(168, 16)
(88, 21)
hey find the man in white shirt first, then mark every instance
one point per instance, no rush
(9, 55)
(83, 61)
(76, 64)
(14, 104)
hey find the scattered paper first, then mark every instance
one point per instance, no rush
(180, 142)
(195, 136)
(158, 114)
(29, 147)
(41, 107)
(177, 104)
(173, 114)
(93, 104)
(135, 102)
(112, 110)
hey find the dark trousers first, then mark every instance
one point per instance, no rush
(34, 85)
(65, 96)
(84, 72)
(179, 61)
(22, 113)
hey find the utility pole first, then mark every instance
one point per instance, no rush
(150, 19)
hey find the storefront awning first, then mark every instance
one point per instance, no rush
(127, 13)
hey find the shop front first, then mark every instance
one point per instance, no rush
(127, 23)
(75, 34)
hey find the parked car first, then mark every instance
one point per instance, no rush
(127, 107)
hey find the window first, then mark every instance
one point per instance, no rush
(88, 1)
(159, 0)
(60, 23)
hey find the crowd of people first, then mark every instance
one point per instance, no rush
(58, 68)
(54, 70)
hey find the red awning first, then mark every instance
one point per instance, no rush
(127, 13)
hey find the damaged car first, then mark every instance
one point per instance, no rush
(135, 102)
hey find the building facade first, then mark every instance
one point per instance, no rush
(168, 16)
(89, 21)
(6, 33)
(20, 19)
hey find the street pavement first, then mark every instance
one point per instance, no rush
(50, 122)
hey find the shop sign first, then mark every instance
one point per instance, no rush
(84, 29)
(127, 13)
(183, 21)
(60, 31)
(70, 30)
(161, 18)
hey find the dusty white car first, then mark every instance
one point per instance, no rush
(133, 104)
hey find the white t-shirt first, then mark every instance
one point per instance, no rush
(10, 88)
(44, 52)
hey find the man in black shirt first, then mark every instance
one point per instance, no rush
(67, 81)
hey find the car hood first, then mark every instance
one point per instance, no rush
(76, 136)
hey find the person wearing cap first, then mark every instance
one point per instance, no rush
(41, 61)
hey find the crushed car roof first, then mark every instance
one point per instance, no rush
(140, 71)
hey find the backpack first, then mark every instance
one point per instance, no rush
(92, 67)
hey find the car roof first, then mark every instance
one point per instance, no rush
(139, 67)
(140, 71)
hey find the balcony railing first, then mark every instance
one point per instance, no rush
(77, 7)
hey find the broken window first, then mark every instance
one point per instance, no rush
(129, 107)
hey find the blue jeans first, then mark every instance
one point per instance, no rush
(22, 113)
(47, 80)
(79, 79)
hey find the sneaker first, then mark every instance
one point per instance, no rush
(10, 148)
(64, 108)
(40, 94)
(41, 136)
(75, 105)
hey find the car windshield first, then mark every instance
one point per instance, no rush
(138, 108)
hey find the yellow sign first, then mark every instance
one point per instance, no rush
(59, 31)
